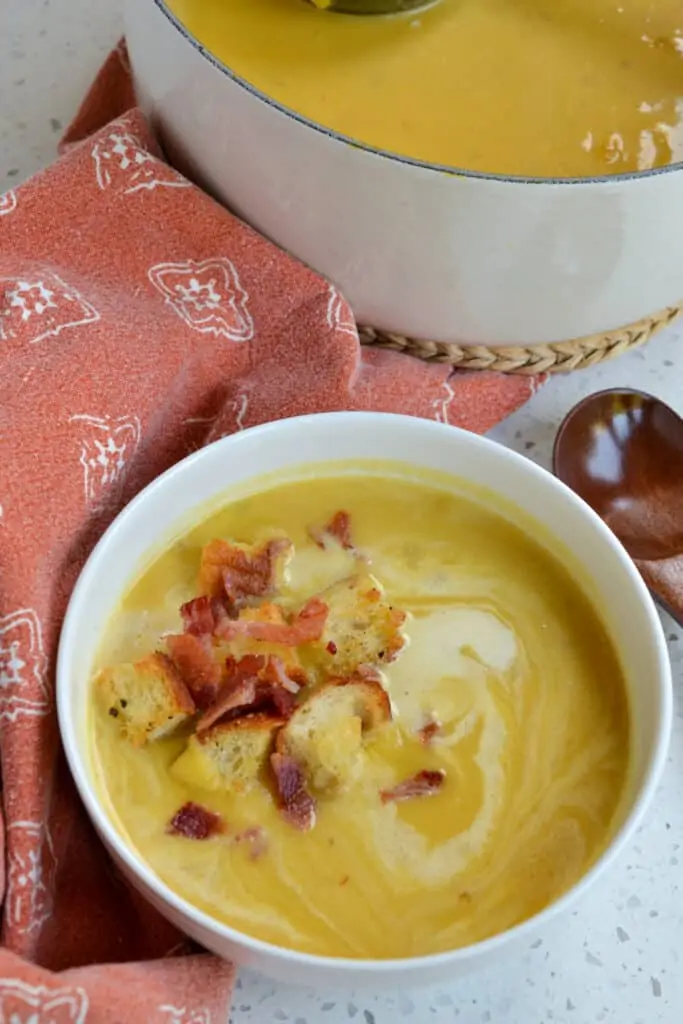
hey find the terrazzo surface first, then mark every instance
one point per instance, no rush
(617, 958)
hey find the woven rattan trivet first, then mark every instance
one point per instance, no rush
(560, 357)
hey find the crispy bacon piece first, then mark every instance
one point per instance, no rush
(339, 527)
(195, 822)
(369, 672)
(296, 803)
(202, 615)
(256, 838)
(275, 672)
(199, 669)
(308, 625)
(278, 688)
(424, 783)
(247, 667)
(284, 702)
(240, 574)
(241, 697)
(428, 731)
(283, 684)
(252, 683)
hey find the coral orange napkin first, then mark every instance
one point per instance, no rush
(138, 320)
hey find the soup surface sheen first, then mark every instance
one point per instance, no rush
(504, 650)
(547, 88)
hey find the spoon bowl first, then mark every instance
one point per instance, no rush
(372, 6)
(621, 450)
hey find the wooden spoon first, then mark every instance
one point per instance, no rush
(622, 452)
(371, 6)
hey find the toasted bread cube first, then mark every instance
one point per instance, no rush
(148, 698)
(361, 628)
(325, 733)
(229, 755)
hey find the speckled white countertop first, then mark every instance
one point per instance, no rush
(618, 959)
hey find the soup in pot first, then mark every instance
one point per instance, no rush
(547, 88)
(361, 715)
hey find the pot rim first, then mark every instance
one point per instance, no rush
(284, 431)
(384, 154)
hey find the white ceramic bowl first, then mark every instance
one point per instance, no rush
(429, 251)
(168, 506)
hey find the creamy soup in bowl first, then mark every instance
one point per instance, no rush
(361, 712)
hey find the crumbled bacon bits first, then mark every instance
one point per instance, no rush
(195, 822)
(256, 839)
(202, 615)
(252, 683)
(338, 528)
(284, 701)
(310, 621)
(239, 698)
(428, 731)
(289, 679)
(424, 783)
(307, 626)
(296, 803)
(199, 669)
(240, 574)
(369, 672)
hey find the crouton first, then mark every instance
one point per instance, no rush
(229, 755)
(147, 698)
(325, 733)
(242, 572)
(361, 627)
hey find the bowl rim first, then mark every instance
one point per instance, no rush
(139, 868)
(385, 154)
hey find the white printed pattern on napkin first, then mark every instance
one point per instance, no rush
(107, 445)
(339, 316)
(23, 666)
(34, 307)
(31, 870)
(21, 1003)
(442, 404)
(207, 295)
(180, 1015)
(122, 162)
(8, 203)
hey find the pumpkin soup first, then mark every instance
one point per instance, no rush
(547, 88)
(361, 715)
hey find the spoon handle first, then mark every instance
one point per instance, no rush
(664, 578)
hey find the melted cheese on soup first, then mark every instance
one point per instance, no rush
(525, 87)
(504, 650)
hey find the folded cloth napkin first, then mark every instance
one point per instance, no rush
(138, 321)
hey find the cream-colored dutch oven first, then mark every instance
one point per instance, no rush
(417, 249)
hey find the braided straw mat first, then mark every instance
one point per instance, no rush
(560, 357)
